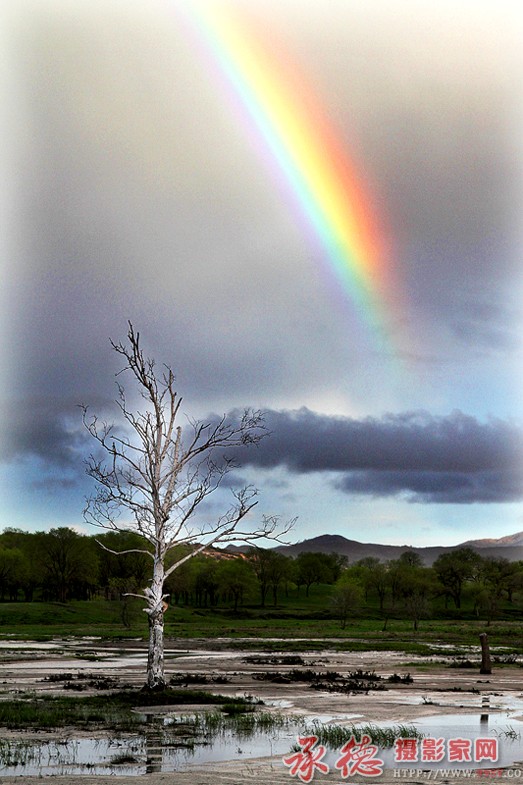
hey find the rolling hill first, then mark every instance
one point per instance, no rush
(510, 548)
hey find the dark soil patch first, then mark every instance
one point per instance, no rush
(184, 679)
(286, 659)
(84, 681)
(332, 681)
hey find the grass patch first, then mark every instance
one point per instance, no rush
(332, 681)
(243, 724)
(124, 759)
(288, 659)
(187, 732)
(103, 711)
(335, 736)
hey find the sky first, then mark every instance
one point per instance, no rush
(140, 183)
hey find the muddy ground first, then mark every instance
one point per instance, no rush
(435, 689)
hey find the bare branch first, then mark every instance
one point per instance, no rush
(132, 594)
(128, 550)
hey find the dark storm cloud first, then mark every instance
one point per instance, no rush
(140, 195)
(49, 430)
(453, 459)
(414, 454)
(55, 484)
(436, 487)
(39, 432)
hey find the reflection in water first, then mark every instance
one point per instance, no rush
(501, 725)
(485, 705)
(159, 748)
(153, 747)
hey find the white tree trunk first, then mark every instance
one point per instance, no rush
(155, 611)
(155, 666)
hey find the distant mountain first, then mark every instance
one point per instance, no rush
(510, 541)
(510, 548)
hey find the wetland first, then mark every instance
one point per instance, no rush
(74, 708)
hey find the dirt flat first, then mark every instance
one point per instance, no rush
(436, 689)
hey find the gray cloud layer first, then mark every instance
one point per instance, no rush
(414, 455)
(453, 459)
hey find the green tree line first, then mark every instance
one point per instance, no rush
(406, 586)
(61, 565)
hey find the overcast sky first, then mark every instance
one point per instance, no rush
(135, 188)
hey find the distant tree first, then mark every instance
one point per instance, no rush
(494, 577)
(486, 601)
(397, 570)
(122, 573)
(312, 567)
(514, 580)
(273, 571)
(261, 560)
(346, 599)
(29, 574)
(13, 568)
(290, 577)
(206, 584)
(455, 567)
(70, 564)
(159, 474)
(278, 569)
(236, 578)
(417, 587)
(335, 564)
(180, 585)
(503, 575)
(410, 558)
(374, 576)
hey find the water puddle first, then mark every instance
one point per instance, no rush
(502, 726)
(136, 754)
(464, 730)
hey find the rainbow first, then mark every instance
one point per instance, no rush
(294, 125)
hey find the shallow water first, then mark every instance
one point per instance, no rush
(501, 726)
(152, 752)
(164, 748)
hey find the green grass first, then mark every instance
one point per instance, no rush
(296, 618)
(107, 711)
(243, 723)
(44, 620)
(335, 736)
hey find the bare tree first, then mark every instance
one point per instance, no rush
(160, 473)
